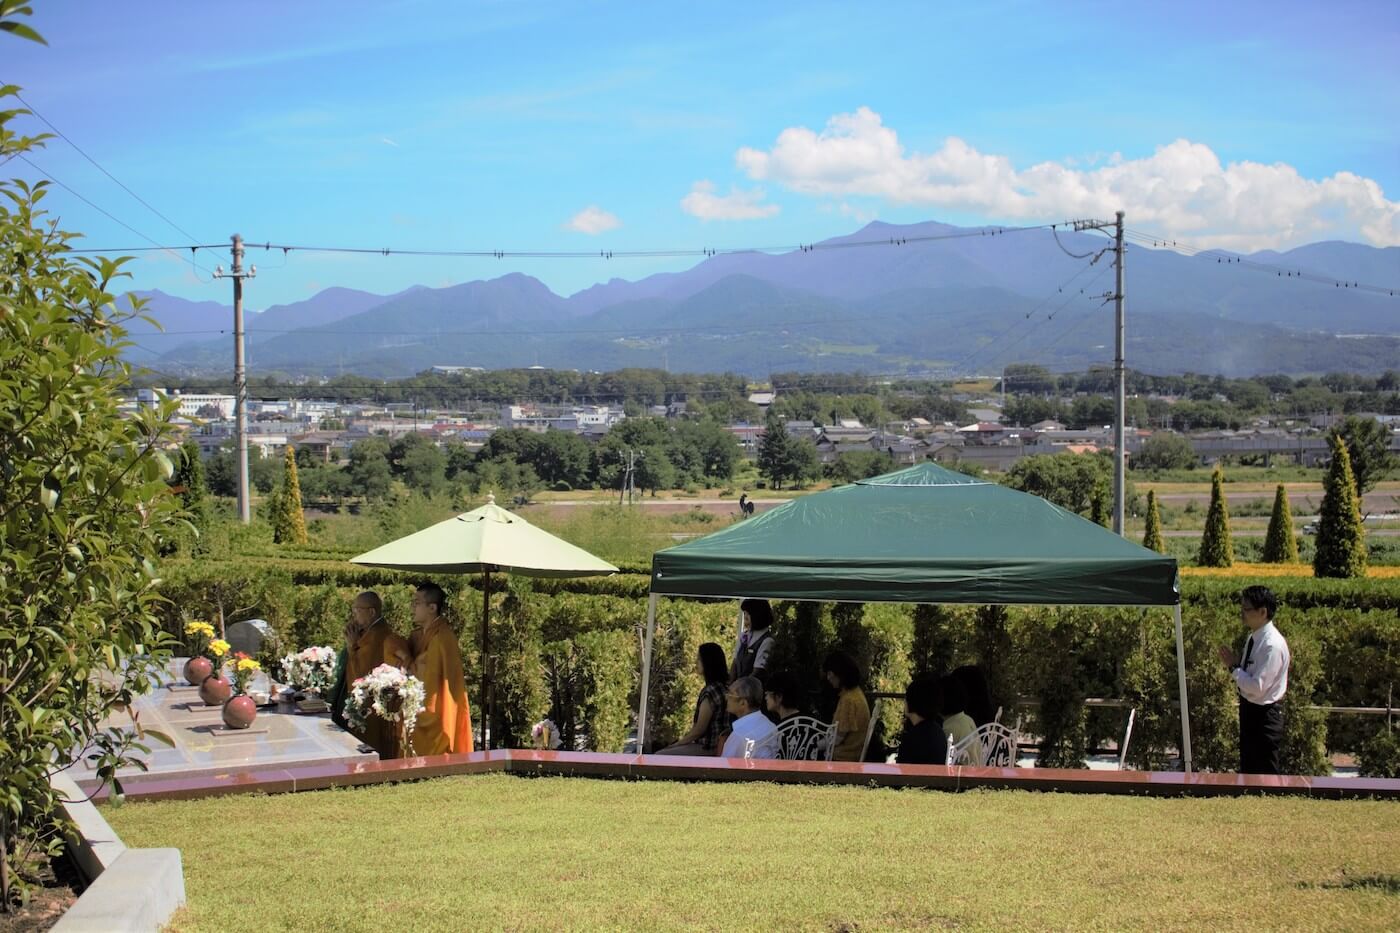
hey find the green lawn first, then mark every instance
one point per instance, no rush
(492, 852)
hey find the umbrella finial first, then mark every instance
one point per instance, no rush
(490, 498)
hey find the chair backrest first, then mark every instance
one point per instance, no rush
(748, 748)
(993, 743)
(805, 738)
(870, 729)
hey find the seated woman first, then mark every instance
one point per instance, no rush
(978, 694)
(852, 709)
(782, 697)
(957, 723)
(923, 742)
(711, 717)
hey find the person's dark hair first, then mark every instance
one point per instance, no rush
(1260, 597)
(924, 697)
(783, 684)
(760, 613)
(713, 664)
(434, 594)
(845, 669)
(954, 696)
(976, 693)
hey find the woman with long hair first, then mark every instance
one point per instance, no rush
(711, 719)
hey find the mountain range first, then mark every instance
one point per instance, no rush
(915, 298)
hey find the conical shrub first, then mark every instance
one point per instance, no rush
(1152, 536)
(1098, 505)
(1341, 539)
(288, 523)
(1216, 548)
(1280, 546)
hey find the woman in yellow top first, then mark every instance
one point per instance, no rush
(852, 710)
(445, 724)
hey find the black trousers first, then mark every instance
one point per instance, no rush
(1261, 735)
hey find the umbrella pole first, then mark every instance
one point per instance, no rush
(486, 658)
(1181, 685)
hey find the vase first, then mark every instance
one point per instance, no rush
(239, 712)
(197, 669)
(215, 690)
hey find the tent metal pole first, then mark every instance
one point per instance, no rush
(1181, 686)
(486, 657)
(646, 674)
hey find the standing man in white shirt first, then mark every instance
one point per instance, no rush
(1261, 676)
(744, 702)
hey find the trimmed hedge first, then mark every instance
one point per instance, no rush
(570, 649)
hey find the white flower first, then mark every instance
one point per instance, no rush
(388, 693)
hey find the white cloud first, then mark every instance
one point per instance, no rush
(1182, 189)
(702, 202)
(388, 142)
(593, 220)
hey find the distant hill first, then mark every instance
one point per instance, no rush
(969, 300)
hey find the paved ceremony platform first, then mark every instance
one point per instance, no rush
(280, 736)
(274, 778)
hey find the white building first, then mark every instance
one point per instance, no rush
(190, 405)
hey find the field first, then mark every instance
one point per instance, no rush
(503, 852)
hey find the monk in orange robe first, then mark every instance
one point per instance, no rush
(445, 724)
(370, 642)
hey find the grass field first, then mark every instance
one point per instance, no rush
(503, 852)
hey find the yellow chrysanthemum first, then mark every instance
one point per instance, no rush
(218, 647)
(248, 664)
(199, 628)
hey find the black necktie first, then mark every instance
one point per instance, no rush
(1248, 650)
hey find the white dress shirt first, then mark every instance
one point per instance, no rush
(754, 726)
(1264, 677)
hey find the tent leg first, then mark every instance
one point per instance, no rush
(1181, 685)
(646, 674)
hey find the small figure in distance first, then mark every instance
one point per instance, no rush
(745, 505)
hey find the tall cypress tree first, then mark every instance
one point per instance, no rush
(1341, 538)
(288, 523)
(1098, 505)
(1280, 547)
(1152, 536)
(1217, 550)
(193, 491)
(774, 450)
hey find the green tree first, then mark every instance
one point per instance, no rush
(85, 507)
(1165, 451)
(188, 483)
(1341, 538)
(1068, 480)
(1099, 512)
(775, 451)
(419, 462)
(368, 468)
(803, 462)
(288, 522)
(1368, 448)
(1152, 535)
(1280, 546)
(1217, 550)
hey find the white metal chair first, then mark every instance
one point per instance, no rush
(1127, 736)
(805, 738)
(992, 745)
(870, 729)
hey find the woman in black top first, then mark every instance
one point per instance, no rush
(923, 742)
(712, 718)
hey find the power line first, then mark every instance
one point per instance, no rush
(33, 110)
(108, 215)
(1232, 259)
(705, 252)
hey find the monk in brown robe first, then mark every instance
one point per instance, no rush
(445, 724)
(370, 642)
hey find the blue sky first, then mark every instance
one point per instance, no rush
(500, 125)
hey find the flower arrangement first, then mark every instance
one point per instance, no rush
(243, 669)
(546, 735)
(391, 695)
(198, 635)
(217, 649)
(311, 669)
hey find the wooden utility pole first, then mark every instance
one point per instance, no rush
(240, 376)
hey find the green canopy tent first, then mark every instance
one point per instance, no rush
(486, 540)
(921, 535)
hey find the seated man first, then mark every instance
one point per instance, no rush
(744, 701)
(923, 742)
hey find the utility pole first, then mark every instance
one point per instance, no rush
(1120, 393)
(240, 376)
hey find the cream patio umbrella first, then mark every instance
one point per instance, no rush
(485, 541)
